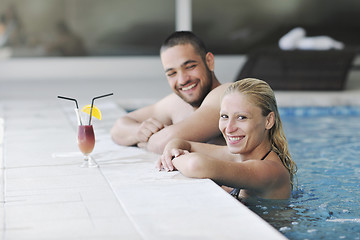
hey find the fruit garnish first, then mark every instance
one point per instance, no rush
(95, 111)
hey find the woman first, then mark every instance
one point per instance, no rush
(256, 161)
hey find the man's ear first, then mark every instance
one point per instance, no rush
(270, 120)
(209, 58)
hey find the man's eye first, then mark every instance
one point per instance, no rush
(171, 74)
(223, 116)
(191, 66)
(241, 117)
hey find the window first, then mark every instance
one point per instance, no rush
(40, 28)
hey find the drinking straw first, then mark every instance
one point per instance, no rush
(92, 104)
(76, 109)
(72, 99)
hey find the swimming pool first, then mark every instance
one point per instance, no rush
(325, 144)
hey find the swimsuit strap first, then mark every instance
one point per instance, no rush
(266, 154)
(235, 192)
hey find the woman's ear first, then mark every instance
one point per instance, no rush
(270, 120)
(209, 58)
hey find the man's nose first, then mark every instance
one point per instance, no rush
(184, 78)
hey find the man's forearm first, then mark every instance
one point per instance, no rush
(124, 132)
(158, 141)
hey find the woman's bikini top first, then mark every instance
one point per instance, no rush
(235, 192)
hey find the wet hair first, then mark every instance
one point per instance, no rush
(183, 38)
(261, 94)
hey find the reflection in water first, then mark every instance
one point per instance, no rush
(296, 218)
(279, 213)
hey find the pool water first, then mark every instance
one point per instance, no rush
(325, 144)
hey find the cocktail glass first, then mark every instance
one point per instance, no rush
(86, 143)
(86, 136)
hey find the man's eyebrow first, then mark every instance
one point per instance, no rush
(189, 61)
(184, 64)
(169, 69)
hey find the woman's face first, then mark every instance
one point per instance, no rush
(242, 124)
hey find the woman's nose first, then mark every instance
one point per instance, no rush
(231, 126)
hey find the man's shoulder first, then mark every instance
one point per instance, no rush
(171, 100)
(222, 87)
(162, 106)
(173, 108)
(216, 93)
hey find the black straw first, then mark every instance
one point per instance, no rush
(72, 99)
(92, 104)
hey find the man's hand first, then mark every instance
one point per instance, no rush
(147, 128)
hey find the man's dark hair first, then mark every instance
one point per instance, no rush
(182, 38)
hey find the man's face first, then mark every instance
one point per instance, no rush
(188, 75)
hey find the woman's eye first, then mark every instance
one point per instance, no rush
(241, 117)
(223, 116)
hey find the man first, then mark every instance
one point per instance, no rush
(191, 112)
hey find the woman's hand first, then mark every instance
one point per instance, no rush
(165, 161)
(173, 149)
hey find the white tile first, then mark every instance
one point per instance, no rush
(2, 189)
(19, 214)
(187, 210)
(73, 229)
(2, 217)
(158, 201)
(55, 182)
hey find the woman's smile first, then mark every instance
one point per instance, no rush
(234, 139)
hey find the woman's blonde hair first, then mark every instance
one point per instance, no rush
(261, 94)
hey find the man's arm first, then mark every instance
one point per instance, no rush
(200, 126)
(138, 126)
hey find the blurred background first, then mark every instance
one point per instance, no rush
(45, 28)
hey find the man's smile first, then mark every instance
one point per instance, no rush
(188, 87)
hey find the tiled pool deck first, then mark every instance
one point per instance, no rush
(44, 194)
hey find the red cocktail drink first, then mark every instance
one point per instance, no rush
(86, 139)
(86, 143)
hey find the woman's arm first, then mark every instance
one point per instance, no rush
(178, 147)
(268, 179)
